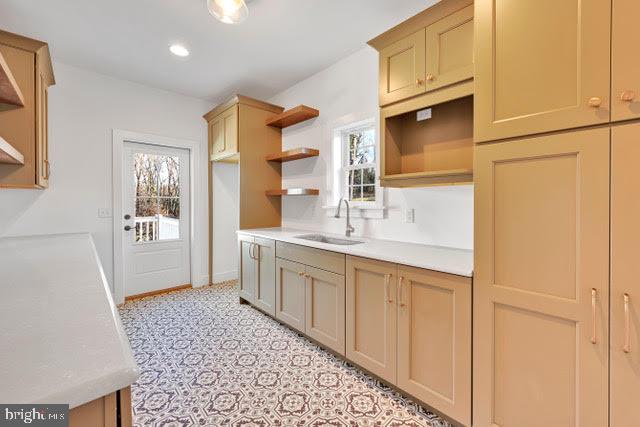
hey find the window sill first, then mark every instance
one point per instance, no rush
(370, 212)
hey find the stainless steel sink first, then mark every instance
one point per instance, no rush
(326, 239)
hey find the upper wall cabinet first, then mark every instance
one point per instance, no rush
(23, 124)
(428, 51)
(223, 135)
(540, 65)
(625, 64)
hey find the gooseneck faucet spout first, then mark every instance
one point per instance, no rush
(350, 228)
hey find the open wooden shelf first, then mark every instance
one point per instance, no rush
(9, 155)
(293, 116)
(293, 192)
(10, 94)
(421, 179)
(295, 154)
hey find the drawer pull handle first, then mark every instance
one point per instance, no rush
(430, 77)
(627, 95)
(401, 290)
(627, 326)
(387, 291)
(251, 251)
(594, 296)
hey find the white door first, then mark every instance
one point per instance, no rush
(156, 218)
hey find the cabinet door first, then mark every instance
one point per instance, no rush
(223, 134)
(216, 138)
(625, 273)
(325, 308)
(540, 65)
(541, 281)
(371, 315)
(402, 69)
(434, 340)
(248, 268)
(265, 295)
(625, 64)
(449, 49)
(290, 293)
(42, 141)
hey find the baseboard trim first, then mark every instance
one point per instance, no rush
(224, 277)
(158, 292)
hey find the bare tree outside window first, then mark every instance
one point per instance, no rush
(157, 183)
(360, 164)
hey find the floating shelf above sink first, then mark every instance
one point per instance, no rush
(293, 116)
(9, 155)
(295, 154)
(293, 192)
(10, 94)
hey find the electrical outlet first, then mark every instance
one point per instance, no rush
(409, 215)
(104, 213)
(423, 114)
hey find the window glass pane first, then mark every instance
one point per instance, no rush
(368, 176)
(169, 174)
(369, 193)
(357, 176)
(146, 219)
(145, 174)
(169, 218)
(366, 155)
(356, 193)
(369, 137)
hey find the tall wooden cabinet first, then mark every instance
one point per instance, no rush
(25, 127)
(625, 271)
(541, 293)
(540, 66)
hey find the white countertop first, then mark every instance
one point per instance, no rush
(61, 339)
(437, 258)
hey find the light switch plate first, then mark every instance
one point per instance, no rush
(423, 114)
(104, 213)
(409, 215)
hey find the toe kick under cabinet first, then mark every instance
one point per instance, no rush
(408, 326)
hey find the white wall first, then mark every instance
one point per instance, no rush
(225, 221)
(348, 91)
(84, 107)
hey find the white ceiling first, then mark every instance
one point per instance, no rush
(281, 43)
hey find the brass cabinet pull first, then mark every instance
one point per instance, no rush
(300, 273)
(387, 291)
(627, 95)
(251, 250)
(256, 252)
(307, 275)
(402, 293)
(419, 82)
(595, 102)
(594, 295)
(430, 77)
(627, 338)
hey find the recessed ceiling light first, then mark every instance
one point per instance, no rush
(179, 50)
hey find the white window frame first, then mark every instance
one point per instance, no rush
(337, 177)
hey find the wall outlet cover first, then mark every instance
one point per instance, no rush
(423, 114)
(409, 215)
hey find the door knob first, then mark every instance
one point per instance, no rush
(127, 228)
(127, 216)
(627, 95)
(595, 102)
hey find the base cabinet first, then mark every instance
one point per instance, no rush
(290, 293)
(541, 290)
(324, 308)
(625, 270)
(111, 410)
(257, 275)
(247, 266)
(434, 340)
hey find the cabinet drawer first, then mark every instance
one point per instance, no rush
(325, 260)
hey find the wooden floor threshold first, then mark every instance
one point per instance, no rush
(158, 292)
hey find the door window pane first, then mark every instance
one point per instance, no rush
(168, 171)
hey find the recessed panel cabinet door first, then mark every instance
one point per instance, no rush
(402, 68)
(449, 54)
(325, 308)
(540, 65)
(265, 293)
(371, 315)
(541, 304)
(625, 63)
(247, 263)
(625, 276)
(434, 340)
(290, 293)
(223, 134)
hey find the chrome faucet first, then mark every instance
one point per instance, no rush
(350, 228)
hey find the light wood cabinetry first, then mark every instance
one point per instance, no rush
(247, 265)
(324, 308)
(223, 135)
(24, 126)
(537, 71)
(111, 410)
(371, 315)
(434, 340)
(625, 65)
(402, 68)
(257, 272)
(625, 270)
(290, 293)
(541, 293)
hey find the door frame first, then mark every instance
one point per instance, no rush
(120, 137)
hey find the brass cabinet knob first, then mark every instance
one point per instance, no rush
(430, 77)
(300, 273)
(307, 276)
(419, 82)
(627, 95)
(595, 102)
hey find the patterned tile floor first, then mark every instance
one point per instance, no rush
(206, 360)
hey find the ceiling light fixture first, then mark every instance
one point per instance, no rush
(179, 50)
(228, 11)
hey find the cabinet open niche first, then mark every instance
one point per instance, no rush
(427, 144)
